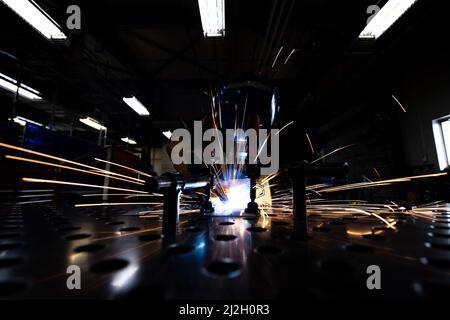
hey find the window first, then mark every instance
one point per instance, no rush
(441, 131)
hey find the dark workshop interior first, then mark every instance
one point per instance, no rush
(343, 193)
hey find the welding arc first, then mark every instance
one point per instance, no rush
(67, 161)
(124, 167)
(68, 168)
(78, 184)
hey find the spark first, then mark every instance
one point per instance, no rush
(270, 177)
(404, 110)
(360, 233)
(377, 173)
(33, 202)
(36, 195)
(361, 185)
(145, 195)
(78, 184)
(65, 160)
(25, 191)
(289, 56)
(433, 175)
(279, 131)
(310, 143)
(431, 208)
(68, 168)
(151, 212)
(327, 200)
(276, 58)
(124, 167)
(267, 139)
(316, 186)
(332, 152)
(106, 204)
(108, 194)
(245, 111)
(220, 112)
(431, 204)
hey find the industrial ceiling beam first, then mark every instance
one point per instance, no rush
(174, 58)
(173, 53)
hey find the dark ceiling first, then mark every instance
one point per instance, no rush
(156, 51)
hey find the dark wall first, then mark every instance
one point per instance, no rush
(415, 68)
(426, 95)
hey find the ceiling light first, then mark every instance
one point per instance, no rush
(137, 106)
(37, 18)
(93, 123)
(23, 121)
(10, 84)
(167, 134)
(212, 14)
(129, 141)
(385, 18)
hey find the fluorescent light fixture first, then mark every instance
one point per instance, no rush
(29, 11)
(212, 13)
(10, 85)
(23, 121)
(441, 132)
(137, 106)
(93, 123)
(167, 134)
(129, 141)
(385, 18)
(440, 147)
